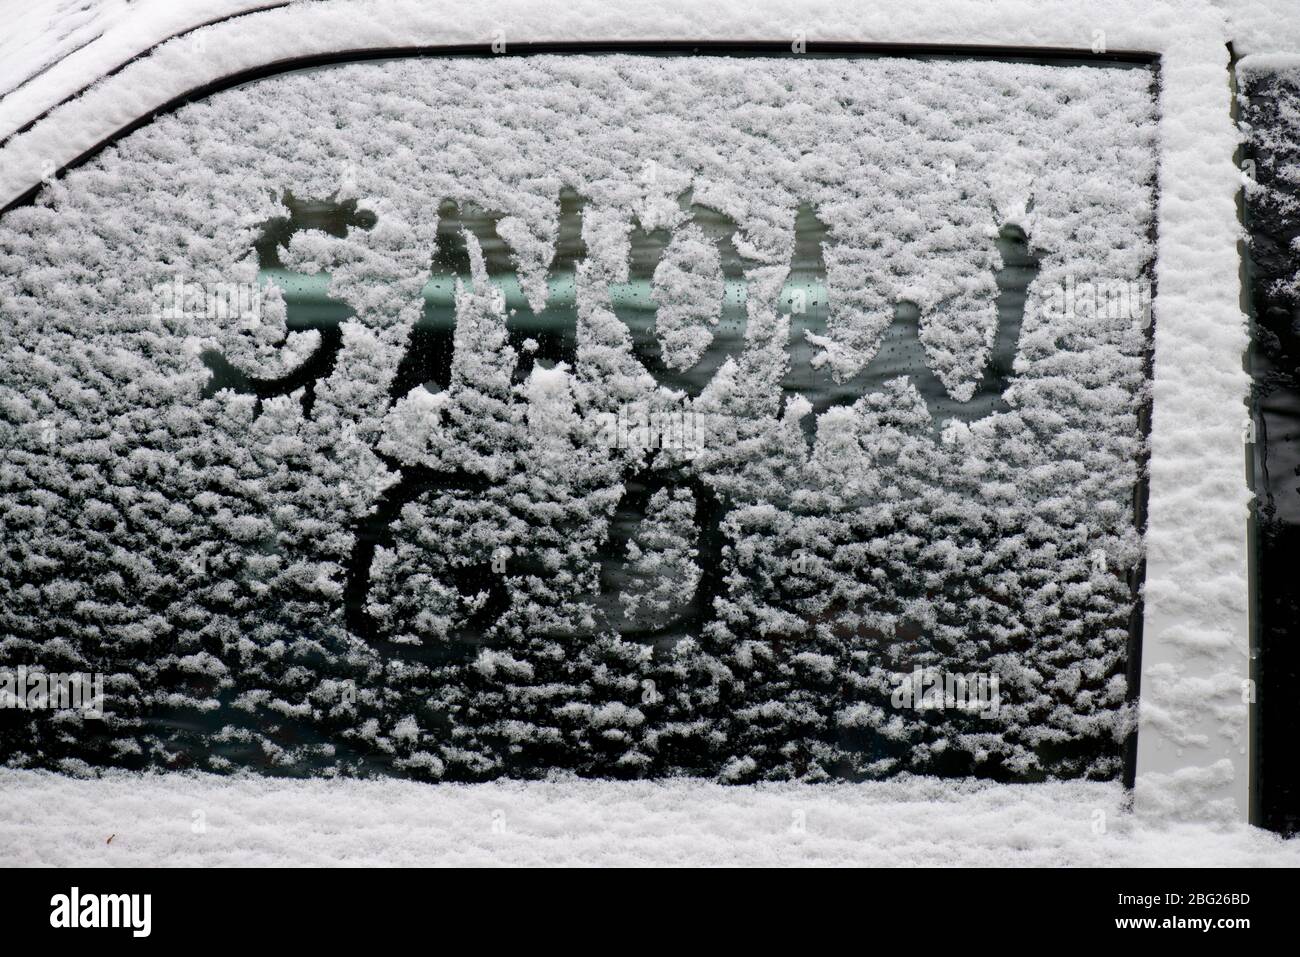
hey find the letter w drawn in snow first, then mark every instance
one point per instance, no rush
(549, 336)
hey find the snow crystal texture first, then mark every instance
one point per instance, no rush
(205, 820)
(394, 541)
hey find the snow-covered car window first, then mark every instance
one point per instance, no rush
(762, 418)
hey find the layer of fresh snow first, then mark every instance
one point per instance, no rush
(974, 551)
(1195, 637)
(201, 820)
(53, 49)
(1262, 26)
(321, 27)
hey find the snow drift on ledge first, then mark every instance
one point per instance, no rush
(191, 820)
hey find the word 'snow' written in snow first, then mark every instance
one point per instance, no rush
(103, 910)
(470, 247)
